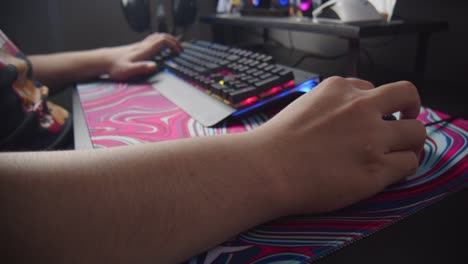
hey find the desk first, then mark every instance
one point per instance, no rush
(436, 234)
(353, 33)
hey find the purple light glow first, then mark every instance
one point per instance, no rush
(305, 5)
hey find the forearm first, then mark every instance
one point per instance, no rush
(134, 204)
(61, 69)
(120, 63)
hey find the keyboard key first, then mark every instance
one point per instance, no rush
(286, 75)
(247, 78)
(258, 73)
(239, 95)
(264, 85)
(251, 71)
(269, 68)
(254, 63)
(254, 80)
(268, 59)
(216, 88)
(254, 56)
(266, 75)
(263, 65)
(276, 70)
(233, 57)
(240, 85)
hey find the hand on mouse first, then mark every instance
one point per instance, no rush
(326, 150)
(331, 147)
(132, 60)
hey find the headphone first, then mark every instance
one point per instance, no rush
(185, 12)
(138, 13)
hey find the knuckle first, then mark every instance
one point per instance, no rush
(335, 80)
(407, 84)
(411, 91)
(360, 83)
(372, 150)
(366, 84)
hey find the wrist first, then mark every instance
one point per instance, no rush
(268, 164)
(240, 159)
(105, 57)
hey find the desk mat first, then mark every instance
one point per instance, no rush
(120, 114)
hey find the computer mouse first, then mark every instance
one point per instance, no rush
(389, 118)
(137, 13)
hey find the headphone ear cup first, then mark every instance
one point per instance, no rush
(185, 12)
(137, 13)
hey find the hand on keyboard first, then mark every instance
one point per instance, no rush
(234, 76)
(130, 61)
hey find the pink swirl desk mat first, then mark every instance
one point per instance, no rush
(121, 114)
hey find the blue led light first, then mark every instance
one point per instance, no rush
(283, 2)
(307, 85)
(256, 2)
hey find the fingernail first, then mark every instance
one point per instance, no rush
(151, 64)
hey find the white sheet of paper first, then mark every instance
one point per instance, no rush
(384, 7)
(224, 6)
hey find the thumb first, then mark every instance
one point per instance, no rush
(141, 67)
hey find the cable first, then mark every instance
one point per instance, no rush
(445, 120)
(370, 59)
(335, 57)
(318, 56)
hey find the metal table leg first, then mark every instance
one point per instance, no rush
(354, 46)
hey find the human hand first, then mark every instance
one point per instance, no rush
(132, 60)
(331, 148)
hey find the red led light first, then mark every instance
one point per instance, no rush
(272, 91)
(248, 101)
(289, 84)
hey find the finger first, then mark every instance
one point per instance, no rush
(150, 48)
(360, 84)
(404, 135)
(398, 165)
(175, 40)
(139, 68)
(400, 96)
(156, 36)
(171, 42)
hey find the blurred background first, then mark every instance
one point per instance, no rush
(45, 26)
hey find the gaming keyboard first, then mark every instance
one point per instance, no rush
(239, 78)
